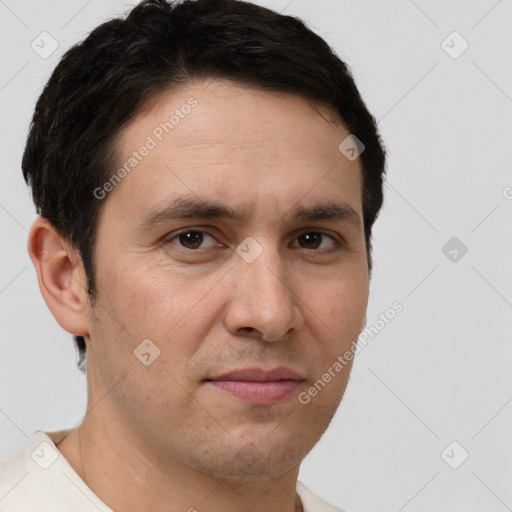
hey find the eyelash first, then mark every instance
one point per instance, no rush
(322, 251)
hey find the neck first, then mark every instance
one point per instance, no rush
(126, 474)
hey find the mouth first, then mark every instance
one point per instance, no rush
(258, 386)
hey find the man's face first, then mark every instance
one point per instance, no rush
(293, 295)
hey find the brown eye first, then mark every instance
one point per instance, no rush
(191, 239)
(313, 239)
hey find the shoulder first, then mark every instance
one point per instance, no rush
(15, 477)
(39, 479)
(311, 502)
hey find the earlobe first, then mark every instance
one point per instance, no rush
(60, 276)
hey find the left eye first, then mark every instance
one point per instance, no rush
(193, 239)
(314, 238)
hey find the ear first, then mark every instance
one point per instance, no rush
(60, 275)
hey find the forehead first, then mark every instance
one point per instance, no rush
(215, 138)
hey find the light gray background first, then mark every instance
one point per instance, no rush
(440, 371)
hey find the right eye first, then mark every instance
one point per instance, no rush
(190, 239)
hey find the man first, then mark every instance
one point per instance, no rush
(206, 177)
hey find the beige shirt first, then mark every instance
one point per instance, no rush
(40, 479)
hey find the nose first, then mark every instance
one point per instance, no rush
(263, 303)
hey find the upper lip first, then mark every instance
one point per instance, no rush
(259, 375)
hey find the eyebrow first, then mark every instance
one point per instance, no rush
(189, 208)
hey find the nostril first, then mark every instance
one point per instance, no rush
(251, 330)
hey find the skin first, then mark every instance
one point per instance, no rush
(159, 435)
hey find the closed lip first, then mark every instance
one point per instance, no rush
(259, 375)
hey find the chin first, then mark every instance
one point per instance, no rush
(262, 454)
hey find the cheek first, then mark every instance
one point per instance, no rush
(172, 310)
(155, 304)
(144, 295)
(335, 319)
(338, 309)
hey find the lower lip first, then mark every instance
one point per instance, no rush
(261, 393)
